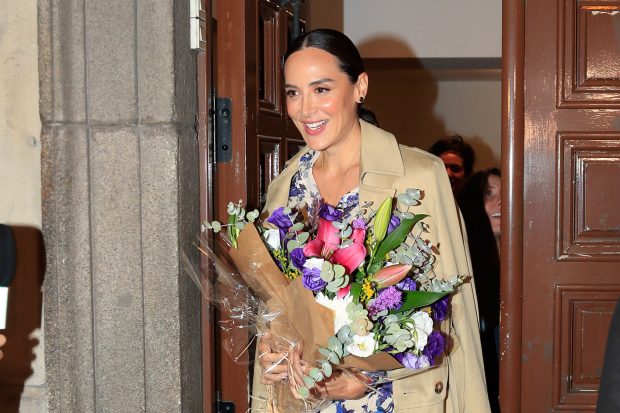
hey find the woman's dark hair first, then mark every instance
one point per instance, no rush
(342, 48)
(486, 270)
(457, 145)
(482, 243)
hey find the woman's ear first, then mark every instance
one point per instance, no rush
(361, 87)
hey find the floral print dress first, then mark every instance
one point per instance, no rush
(304, 190)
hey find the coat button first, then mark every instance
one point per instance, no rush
(438, 387)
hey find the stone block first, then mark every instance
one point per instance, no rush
(117, 269)
(67, 284)
(110, 40)
(155, 61)
(160, 249)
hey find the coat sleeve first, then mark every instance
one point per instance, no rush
(467, 387)
(457, 384)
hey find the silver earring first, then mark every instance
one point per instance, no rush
(361, 99)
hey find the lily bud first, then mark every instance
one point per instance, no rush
(391, 275)
(382, 219)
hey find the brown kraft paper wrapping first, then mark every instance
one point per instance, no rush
(313, 323)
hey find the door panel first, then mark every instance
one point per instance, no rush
(571, 224)
(252, 36)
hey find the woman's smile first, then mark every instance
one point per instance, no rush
(315, 128)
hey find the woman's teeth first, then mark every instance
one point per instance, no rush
(316, 125)
(496, 215)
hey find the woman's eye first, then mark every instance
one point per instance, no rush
(321, 89)
(291, 93)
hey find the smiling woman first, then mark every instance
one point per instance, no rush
(480, 202)
(349, 162)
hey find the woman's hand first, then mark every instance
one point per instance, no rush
(273, 364)
(340, 386)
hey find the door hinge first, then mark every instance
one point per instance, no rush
(223, 129)
(222, 406)
(197, 25)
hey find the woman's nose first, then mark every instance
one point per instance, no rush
(307, 106)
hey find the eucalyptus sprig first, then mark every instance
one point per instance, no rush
(335, 351)
(238, 218)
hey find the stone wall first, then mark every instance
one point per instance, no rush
(120, 205)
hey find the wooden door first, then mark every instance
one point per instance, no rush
(563, 151)
(251, 39)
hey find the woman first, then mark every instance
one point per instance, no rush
(347, 162)
(480, 203)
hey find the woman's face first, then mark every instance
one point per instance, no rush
(493, 203)
(320, 98)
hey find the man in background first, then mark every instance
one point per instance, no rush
(458, 157)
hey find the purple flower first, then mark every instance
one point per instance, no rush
(280, 219)
(358, 224)
(411, 361)
(394, 223)
(298, 258)
(440, 308)
(435, 346)
(329, 213)
(407, 285)
(311, 279)
(388, 299)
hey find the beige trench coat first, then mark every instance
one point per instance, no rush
(387, 168)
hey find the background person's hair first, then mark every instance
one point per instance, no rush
(342, 48)
(457, 145)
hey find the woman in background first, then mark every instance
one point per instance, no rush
(480, 203)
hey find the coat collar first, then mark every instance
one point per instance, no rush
(380, 170)
(381, 165)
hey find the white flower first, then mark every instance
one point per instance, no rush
(362, 346)
(272, 238)
(312, 263)
(338, 306)
(421, 328)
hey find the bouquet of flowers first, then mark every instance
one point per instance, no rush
(358, 290)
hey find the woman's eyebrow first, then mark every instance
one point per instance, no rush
(313, 83)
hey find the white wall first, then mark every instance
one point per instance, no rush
(20, 184)
(425, 28)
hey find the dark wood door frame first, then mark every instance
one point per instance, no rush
(204, 128)
(511, 289)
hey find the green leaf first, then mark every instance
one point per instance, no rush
(333, 343)
(297, 227)
(309, 381)
(303, 237)
(303, 392)
(356, 291)
(316, 374)
(333, 358)
(292, 244)
(325, 352)
(327, 369)
(395, 238)
(418, 299)
(339, 270)
(217, 226)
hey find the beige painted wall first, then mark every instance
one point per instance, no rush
(420, 105)
(20, 196)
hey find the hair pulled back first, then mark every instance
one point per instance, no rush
(342, 48)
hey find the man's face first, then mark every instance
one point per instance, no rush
(454, 167)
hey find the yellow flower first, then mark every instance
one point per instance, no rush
(367, 291)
